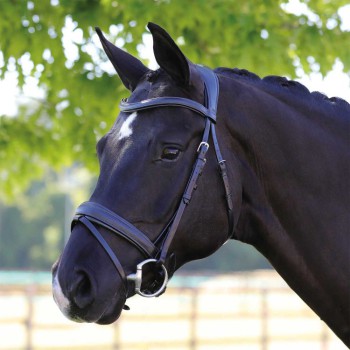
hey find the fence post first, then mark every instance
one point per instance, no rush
(264, 320)
(116, 339)
(30, 291)
(324, 337)
(193, 319)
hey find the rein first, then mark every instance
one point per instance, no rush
(90, 213)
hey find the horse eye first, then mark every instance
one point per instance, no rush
(170, 153)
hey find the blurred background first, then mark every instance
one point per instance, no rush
(59, 95)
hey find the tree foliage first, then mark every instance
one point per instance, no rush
(53, 44)
(31, 236)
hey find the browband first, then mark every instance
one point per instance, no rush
(210, 81)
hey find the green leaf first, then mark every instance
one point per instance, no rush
(214, 32)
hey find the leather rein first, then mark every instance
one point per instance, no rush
(91, 213)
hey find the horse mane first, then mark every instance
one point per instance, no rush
(283, 83)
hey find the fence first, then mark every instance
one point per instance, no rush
(216, 315)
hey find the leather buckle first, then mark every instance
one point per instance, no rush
(205, 144)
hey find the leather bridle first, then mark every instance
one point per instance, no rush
(91, 213)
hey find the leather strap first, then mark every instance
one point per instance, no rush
(102, 216)
(211, 84)
(224, 176)
(186, 198)
(105, 246)
(166, 102)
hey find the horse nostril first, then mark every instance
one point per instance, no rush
(83, 290)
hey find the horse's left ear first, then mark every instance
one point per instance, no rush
(169, 56)
(128, 67)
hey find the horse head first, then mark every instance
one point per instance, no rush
(150, 166)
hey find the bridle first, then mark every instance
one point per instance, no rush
(91, 213)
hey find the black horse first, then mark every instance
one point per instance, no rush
(275, 168)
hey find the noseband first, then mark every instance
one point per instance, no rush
(91, 213)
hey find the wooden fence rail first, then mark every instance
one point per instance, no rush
(243, 318)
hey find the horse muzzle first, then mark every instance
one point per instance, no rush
(90, 213)
(78, 300)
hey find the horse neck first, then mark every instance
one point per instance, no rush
(294, 204)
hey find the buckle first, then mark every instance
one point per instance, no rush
(205, 144)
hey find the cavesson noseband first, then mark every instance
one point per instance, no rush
(91, 213)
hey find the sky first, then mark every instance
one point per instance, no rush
(335, 83)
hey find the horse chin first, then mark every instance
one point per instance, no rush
(108, 319)
(104, 317)
(112, 314)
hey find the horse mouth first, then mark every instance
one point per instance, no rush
(92, 315)
(99, 311)
(112, 312)
(108, 319)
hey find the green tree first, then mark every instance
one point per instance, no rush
(53, 42)
(31, 236)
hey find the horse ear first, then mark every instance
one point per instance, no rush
(169, 56)
(129, 68)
